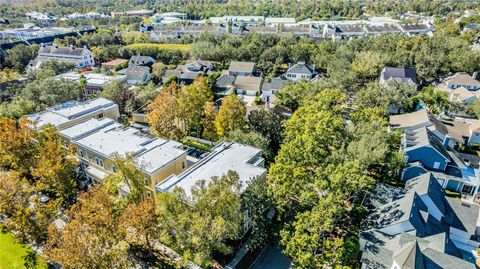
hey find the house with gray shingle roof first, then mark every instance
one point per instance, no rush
(421, 145)
(300, 71)
(138, 60)
(399, 75)
(269, 89)
(421, 228)
(137, 75)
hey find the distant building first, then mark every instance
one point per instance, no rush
(140, 13)
(79, 57)
(40, 17)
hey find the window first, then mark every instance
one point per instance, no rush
(99, 116)
(149, 195)
(183, 165)
(436, 165)
(99, 162)
(81, 153)
(147, 181)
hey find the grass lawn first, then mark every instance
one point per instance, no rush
(12, 254)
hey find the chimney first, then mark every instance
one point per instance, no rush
(71, 46)
(446, 141)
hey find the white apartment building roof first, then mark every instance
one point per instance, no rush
(63, 113)
(243, 159)
(107, 138)
(80, 130)
(93, 79)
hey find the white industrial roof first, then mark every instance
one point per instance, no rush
(237, 157)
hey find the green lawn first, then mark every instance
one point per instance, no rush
(13, 254)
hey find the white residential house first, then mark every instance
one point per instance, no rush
(79, 57)
(300, 71)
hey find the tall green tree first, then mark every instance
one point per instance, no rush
(231, 115)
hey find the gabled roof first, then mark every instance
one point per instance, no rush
(141, 60)
(412, 119)
(252, 81)
(461, 94)
(55, 50)
(410, 251)
(422, 137)
(301, 68)
(241, 67)
(401, 74)
(224, 81)
(137, 70)
(462, 79)
(275, 84)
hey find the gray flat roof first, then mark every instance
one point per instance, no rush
(226, 156)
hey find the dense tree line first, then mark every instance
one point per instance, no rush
(347, 63)
(279, 8)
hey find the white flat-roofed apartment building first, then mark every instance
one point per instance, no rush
(245, 160)
(99, 141)
(73, 112)
(91, 127)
